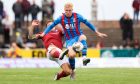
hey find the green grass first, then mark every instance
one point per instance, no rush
(83, 76)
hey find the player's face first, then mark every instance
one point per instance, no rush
(68, 11)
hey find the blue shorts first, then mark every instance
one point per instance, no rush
(70, 42)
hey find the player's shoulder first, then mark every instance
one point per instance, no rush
(58, 18)
(61, 16)
(78, 15)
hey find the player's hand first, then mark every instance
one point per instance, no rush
(102, 35)
(38, 36)
(35, 23)
(42, 34)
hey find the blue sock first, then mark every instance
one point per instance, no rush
(84, 51)
(72, 63)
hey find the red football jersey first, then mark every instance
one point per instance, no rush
(53, 37)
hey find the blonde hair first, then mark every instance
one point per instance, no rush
(68, 4)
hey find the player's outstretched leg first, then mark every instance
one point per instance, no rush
(60, 75)
(84, 53)
(82, 46)
(66, 71)
(73, 74)
(72, 64)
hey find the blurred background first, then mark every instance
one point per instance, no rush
(119, 19)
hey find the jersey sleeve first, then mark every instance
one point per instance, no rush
(57, 21)
(82, 19)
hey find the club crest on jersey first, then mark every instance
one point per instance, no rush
(69, 26)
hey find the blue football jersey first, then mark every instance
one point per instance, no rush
(71, 25)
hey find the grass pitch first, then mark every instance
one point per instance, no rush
(83, 76)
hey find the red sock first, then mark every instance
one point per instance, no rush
(62, 74)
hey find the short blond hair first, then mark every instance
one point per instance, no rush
(68, 4)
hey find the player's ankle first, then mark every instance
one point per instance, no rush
(84, 57)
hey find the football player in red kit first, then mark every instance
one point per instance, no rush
(53, 44)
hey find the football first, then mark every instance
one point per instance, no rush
(78, 46)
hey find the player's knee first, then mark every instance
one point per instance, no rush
(71, 53)
(82, 37)
(55, 53)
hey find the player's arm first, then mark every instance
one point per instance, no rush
(92, 27)
(82, 19)
(31, 35)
